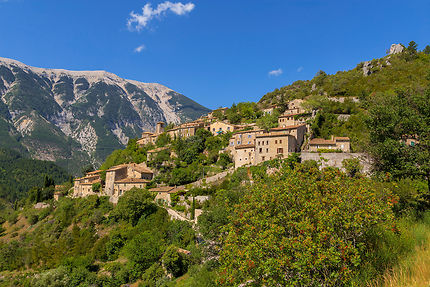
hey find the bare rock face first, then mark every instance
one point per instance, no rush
(367, 67)
(80, 117)
(396, 49)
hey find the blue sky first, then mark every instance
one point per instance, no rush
(215, 52)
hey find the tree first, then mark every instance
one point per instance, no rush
(302, 227)
(144, 250)
(400, 134)
(174, 262)
(427, 50)
(224, 160)
(134, 204)
(96, 187)
(412, 47)
(352, 166)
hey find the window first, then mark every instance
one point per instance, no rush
(280, 141)
(261, 150)
(238, 142)
(267, 142)
(412, 143)
(267, 150)
(232, 143)
(249, 142)
(280, 150)
(276, 142)
(213, 129)
(263, 158)
(249, 136)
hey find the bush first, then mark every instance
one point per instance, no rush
(303, 227)
(134, 204)
(175, 263)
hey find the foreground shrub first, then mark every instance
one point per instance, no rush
(303, 227)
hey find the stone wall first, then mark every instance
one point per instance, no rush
(335, 159)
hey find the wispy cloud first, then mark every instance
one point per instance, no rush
(276, 72)
(300, 69)
(139, 49)
(139, 21)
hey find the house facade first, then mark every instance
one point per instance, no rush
(84, 186)
(273, 145)
(335, 143)
(126, 176)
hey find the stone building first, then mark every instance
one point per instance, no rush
(220, 127)
(244, 155)
(124, 177)
(243, 138)
(164, 192)
(298, 131)
(335, 143)
(274, 145)
(84, 186)
(186, 130)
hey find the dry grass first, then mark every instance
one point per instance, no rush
(413, 271)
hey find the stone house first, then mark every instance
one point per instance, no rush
(164, 192)
(243, 138)
(298, 131)
(296, 106)
(148, 137)
(84, 186)
(186, 130)
(274, 145)
(335, 143)
(244, 155)
(124, 177)
(220, 127)
(289, 119)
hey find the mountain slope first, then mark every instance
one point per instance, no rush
(76, 117)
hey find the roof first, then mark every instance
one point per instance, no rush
(141, 169)
(322, 141)
(275, 134)
(288, 127)
(94, 172)
(328, 142)
(248, 131)
(341, 139)
(118, 167)
(245, 146)
(91, 182)
(290, 115)
(147, 133)
(132, 180)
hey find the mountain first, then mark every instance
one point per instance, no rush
(80, 117)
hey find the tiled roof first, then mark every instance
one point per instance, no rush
(91, 182)
(322, 141)
(288, 127)
(275, 134)
(132, 180)
(117, 167)
(290, 115)
(141, 169)
(342, 139)
(245, 146)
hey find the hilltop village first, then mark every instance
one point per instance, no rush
(249, 145)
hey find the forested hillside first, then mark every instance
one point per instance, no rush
(19, 174)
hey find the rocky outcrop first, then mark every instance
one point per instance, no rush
(396, 49)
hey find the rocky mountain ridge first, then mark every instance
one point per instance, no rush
(67, 116)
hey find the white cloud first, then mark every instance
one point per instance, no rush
(300, 69)
(276, 73)
(139, 21)
(139, 49)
